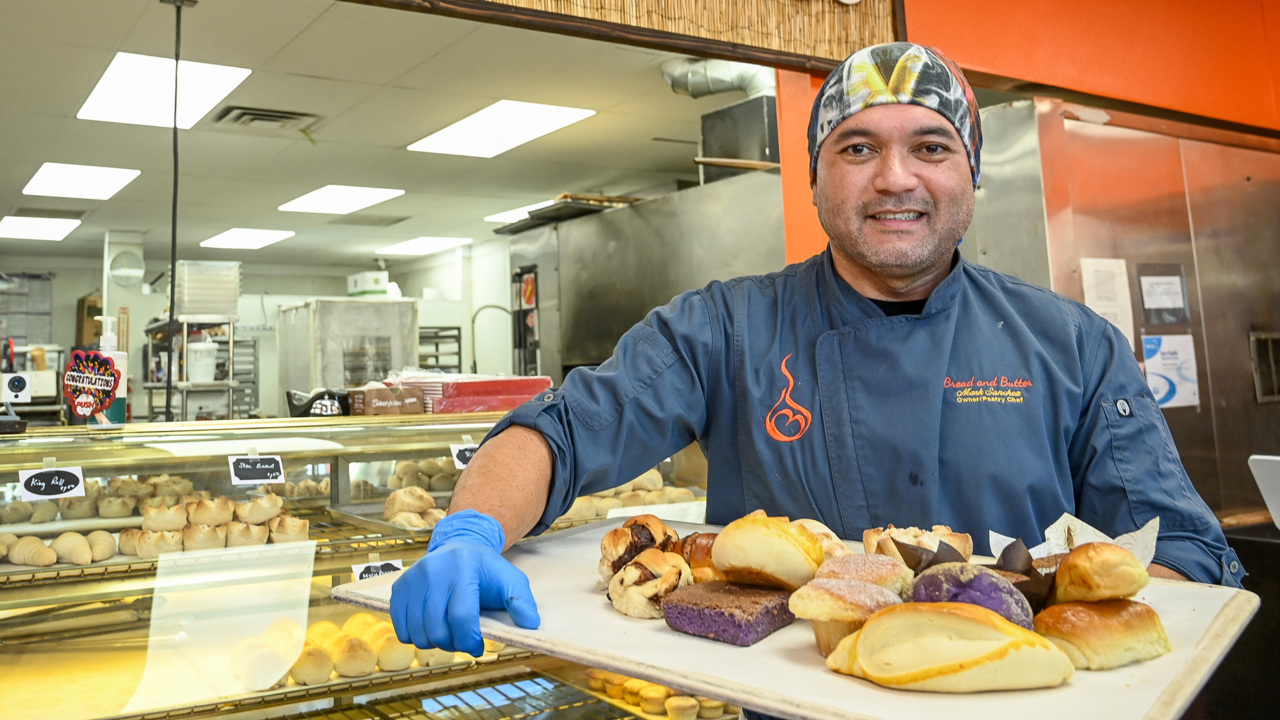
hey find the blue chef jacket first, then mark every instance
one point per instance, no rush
(999, 407)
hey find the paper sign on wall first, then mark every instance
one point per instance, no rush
(1171, 369)
(1106, 292)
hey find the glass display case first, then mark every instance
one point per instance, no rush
(179, 629)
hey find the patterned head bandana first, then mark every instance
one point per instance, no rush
(896, 73)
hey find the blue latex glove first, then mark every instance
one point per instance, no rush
(437, 601)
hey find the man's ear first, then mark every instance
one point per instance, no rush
(813, 188)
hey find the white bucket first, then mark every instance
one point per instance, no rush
(202, 361)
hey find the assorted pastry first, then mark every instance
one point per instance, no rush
(433, 473)
(654, 699)
(412, 508)
(361, 646)
(302, 489)
(912, 613)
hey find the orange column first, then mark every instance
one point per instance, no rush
(804, 235)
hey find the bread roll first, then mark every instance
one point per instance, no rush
(1104, 634)
(679, 494)
(407, 499)
(129, 541)
(655, 497)
(605, 504)
(31, 550)
(158, 501)
(72, 547)
(240, 534)
(410, 521)
(433, 516)
(1099, 571)
(320, 631)
(832, 545)
(128, 487)
(116, 507)
(4, 550)
(218, 511)
(259, 510)
(203, 537)
(257, 665)
(308, 488)
(101, 544)
(695, 548)
(392, 654)
(44, 511)
(429, 466)
(583, 508)
(157, 519)
(442, 482)
(18, 511)
(78, 508)
(151, 544)
(631, 498)
(620, 545)
(649, 480)
(639, 587)
(286, 636)
(286, 528)
(760, 550)
(949, 647)
(359, 623)
(871, 539)
(434, 657)
(8, 539)
(352, 656)
(313, 666)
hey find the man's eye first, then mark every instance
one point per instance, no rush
(935, 149)
(857, 149)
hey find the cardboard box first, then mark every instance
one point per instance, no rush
(88, 328)
(386, 401)
(373, 282)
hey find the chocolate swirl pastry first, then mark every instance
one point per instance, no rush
(639, 587)
(621, 545)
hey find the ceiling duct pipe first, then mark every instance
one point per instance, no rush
(698, 77)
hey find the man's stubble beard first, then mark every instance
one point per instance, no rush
(846, 228)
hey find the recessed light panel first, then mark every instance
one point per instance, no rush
(89, 182)
(423, 246)
(500, 127)
(36, 228)
(340, 199)
(247, 238)
(138, 89)
(518, 214)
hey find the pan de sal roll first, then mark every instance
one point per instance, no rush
(949, 647)
(1099, 571)
(880, 540)
(770, 551)
(838, 607)
(352, 656)
(392, 654)
(639, 587)
(621, 545)
(1104, 634)
(313, 666)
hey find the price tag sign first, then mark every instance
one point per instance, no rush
(51, 483)
(374, 569)
(462, 454)
(255, 469)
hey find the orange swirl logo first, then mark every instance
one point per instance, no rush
(791, 414)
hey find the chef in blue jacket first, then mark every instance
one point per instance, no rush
(886, 380)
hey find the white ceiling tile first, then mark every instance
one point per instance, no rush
(90, 23)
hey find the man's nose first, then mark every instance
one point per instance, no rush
(894, 174)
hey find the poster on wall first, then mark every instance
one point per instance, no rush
(1170, 361)
(1106, 292)
(1164, 293)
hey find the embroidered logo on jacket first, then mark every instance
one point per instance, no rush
(999, 389)
(788, 420)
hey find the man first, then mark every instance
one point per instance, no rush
(886, 380)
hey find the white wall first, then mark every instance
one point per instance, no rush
(491, 285)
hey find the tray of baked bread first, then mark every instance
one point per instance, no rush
(780, 670)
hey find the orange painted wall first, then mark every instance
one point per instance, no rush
(1215, 59)
(804, 235)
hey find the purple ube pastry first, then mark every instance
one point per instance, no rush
(962, 582)
(736, 614)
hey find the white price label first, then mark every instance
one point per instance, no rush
(374, 569)
(51, 483)
(255, 469)
(462, 454)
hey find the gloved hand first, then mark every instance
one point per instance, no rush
(437, 601)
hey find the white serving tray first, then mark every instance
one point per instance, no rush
(784, 675)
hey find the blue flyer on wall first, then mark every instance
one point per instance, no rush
(1171, 369)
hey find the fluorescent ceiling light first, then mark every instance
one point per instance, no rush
(500, 127)
(423, 246)
(138, 89)
(247, 238)
(36, 228)
(340, 199)
(89, 182)
(518, 214)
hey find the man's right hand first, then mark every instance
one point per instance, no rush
(437, 601)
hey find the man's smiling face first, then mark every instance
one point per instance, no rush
(894, 192)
